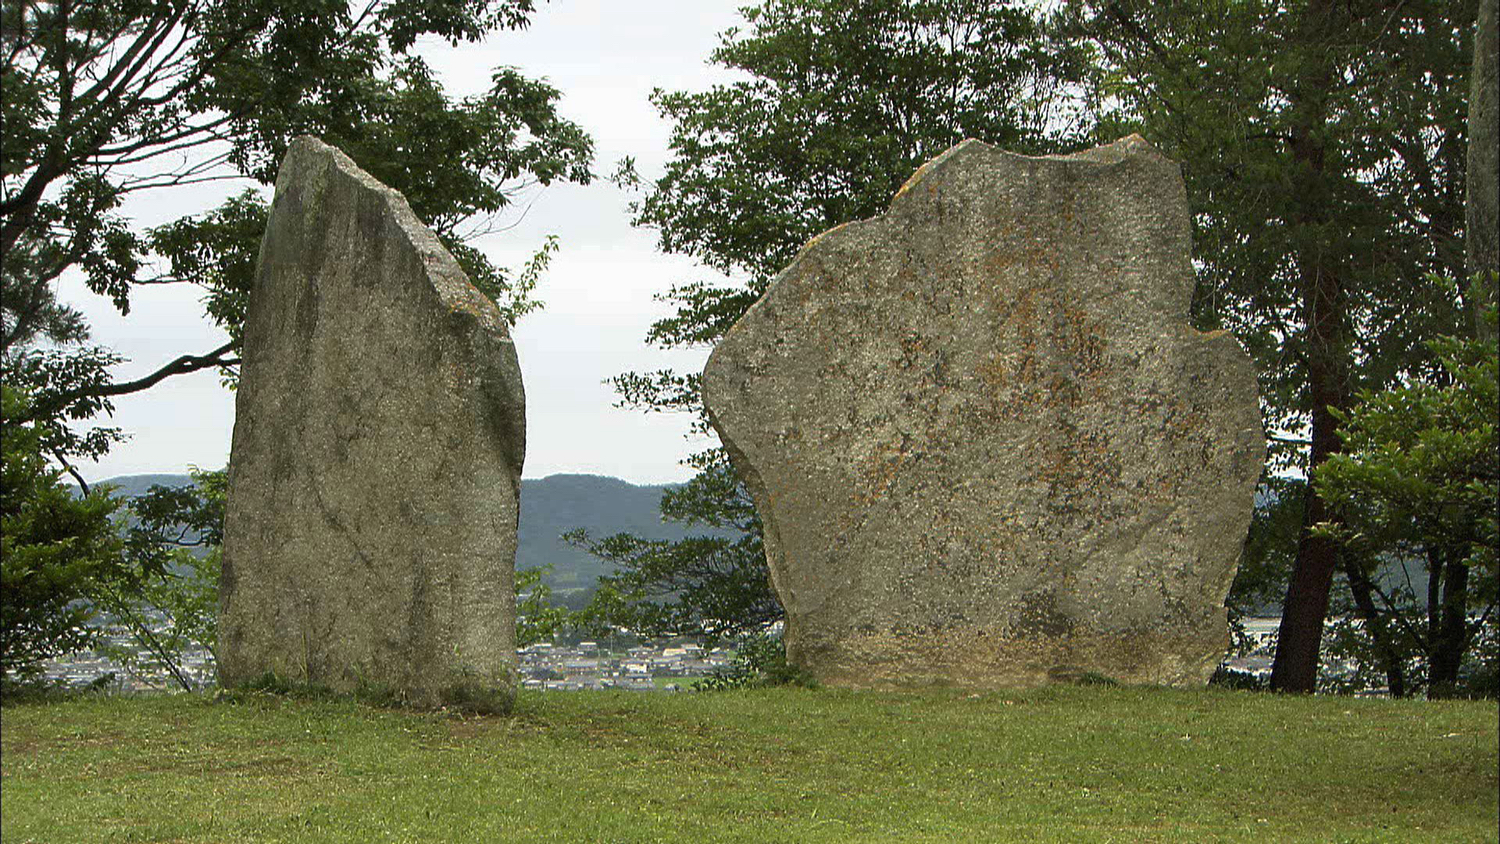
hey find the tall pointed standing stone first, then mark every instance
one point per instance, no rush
(986, 447)
(379, 434)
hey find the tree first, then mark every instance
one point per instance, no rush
(1323, 147)
(537, 619)
(57, 548)
(710, 586)
(1418, 478)
(1482, 189)
(168, 600)
(1425, 417)
(843, 101)
(106, 99)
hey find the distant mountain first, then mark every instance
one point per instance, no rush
(129, 486)
(550, 507)
(556, 504)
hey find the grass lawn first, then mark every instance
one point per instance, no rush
(776, 765)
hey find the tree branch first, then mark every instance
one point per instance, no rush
(180, 366)
(83, 485)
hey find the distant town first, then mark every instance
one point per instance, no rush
(665, 665)
(656, 666)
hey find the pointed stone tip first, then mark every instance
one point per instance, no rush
(444, 271)
(933, 164)
(1130, 146)
(313, 145)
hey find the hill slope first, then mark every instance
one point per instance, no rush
(550, 507)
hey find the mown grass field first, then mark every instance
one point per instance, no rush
(775, 765)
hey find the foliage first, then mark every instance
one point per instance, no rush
(68, 381)
(1323, 145)
(759, 661)
(536, 617)
(57, 548)
(1064, 764)
(108, 99)
(1418, 479)
(1231, 90)
(1270, 549)
(705, 586)
(168, 619)
(177, 531)
(839, 104)
(1422, 462)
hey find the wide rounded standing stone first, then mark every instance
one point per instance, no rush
(986, 446)
(379, 435)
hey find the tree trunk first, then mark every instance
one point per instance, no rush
(1301, 634)
(1482, 189)
(1435, 574)
(1376, 626)
(1481, 264)
(1453, 632)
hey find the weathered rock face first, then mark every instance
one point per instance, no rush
(379, 434)
(985, 444)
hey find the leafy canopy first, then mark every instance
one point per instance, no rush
(57, 548)
(107, 99)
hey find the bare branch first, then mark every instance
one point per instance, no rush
(175, 181)
(82, 484)
(131, 61)
(181, 366)
(173, 143)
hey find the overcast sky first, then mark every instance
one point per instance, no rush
(605, 57)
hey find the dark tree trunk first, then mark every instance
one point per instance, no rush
(1375, 625)
(1449, 632)
(1435, 574)
(1453, 633)
(1301, 635)
(1482, 189)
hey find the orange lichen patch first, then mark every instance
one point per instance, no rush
(1001, 262)
(914, 348)
(995, 374)
(822, 237)
(927, 169)
(1182, 421)
(1082, 465)
(1083, 341)
(1016, 311)
(881, 472)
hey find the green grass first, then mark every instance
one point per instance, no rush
(774, 765)
(683, 683)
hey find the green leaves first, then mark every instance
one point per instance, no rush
(216, 251)
(1228, 89)
(105, 99)
(1421, 463)
(537, 620)
(451, 20)
(57, 548)
(167, 597)
(844, 102)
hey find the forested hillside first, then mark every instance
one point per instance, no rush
(550, 507)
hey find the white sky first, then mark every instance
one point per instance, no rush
(605, 57)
